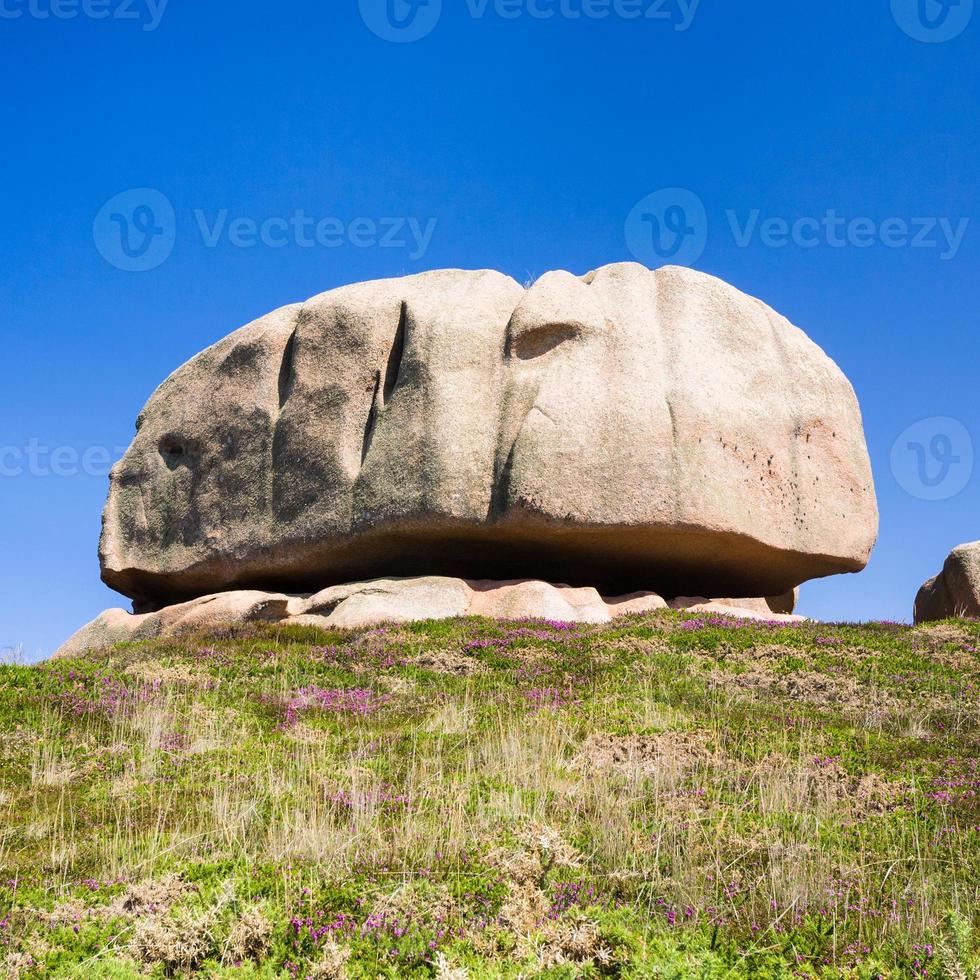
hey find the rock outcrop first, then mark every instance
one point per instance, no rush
(626, 430)
(393, 600)
(955, 591)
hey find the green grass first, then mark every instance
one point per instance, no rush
(667, 796)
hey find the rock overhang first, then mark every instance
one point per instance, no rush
(629, 429)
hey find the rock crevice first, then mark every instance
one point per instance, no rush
(628, 430)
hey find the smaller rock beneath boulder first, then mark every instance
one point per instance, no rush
(389, 600)
(730, 607)
(781, 604)
(634, 603)
(210, 612)
(392, 600)
(774, 609)
(537, 600)
(216, 611)
(784, 604)
(111, 627)
(955, 591)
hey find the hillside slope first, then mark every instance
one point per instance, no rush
(667, 796)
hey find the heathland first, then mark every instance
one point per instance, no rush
(663, 796)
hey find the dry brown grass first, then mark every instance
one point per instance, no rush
(675, 777)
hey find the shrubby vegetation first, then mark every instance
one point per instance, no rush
(666, 796)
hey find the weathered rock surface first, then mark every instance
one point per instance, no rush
(211, 612)
(627, 430)
(776, 605)
(393, 600)
(752, 609)
(955, 591)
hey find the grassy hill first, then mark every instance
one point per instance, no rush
(667, 796)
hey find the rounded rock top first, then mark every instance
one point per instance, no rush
(628, 430)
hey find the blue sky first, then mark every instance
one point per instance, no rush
(824, 158)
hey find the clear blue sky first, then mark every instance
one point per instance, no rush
(528, 140)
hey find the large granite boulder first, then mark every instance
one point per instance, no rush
(955, 591)
(627, 430)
